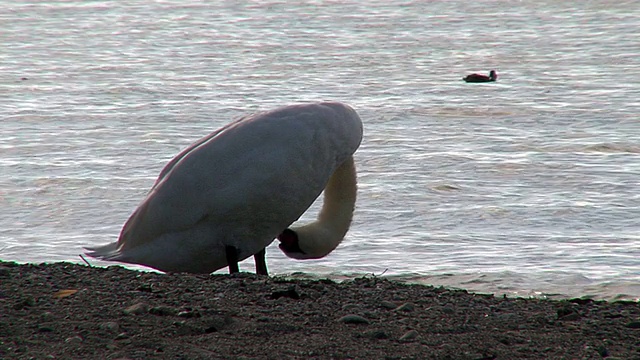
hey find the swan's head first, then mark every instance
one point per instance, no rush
(311, 241)
(290, 245)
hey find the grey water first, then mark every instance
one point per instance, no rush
(527, 187)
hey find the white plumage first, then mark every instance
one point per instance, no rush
(228, 195)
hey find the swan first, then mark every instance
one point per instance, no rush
(230, 194)
(476, 78)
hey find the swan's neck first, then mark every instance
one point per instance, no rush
(319, 238)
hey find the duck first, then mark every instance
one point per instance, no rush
(478, 78)
(230, 194)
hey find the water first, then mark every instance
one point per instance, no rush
(528, 186)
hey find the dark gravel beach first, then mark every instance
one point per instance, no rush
(69, 311)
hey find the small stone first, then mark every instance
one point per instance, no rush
(4, 272)
(349, 307)
(137, 309)
(405, 307)
(189, 314)
(45, 328)
(122, 336)
(353, 319)
(289, 293)
(146, 287)
(140, 354)
(388, 305)
(163, 311)
(46, 316)
(409, 335)
(25, 302)
(218, 323)
(111, 326)
(567, 313)
(29, 301)
(507, 317)
(377, 334)
(448, 310)
(73, 340)
(573, 316)
(633, 325)
(603, 351)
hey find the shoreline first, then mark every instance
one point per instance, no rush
(72, 311)
(490, 283)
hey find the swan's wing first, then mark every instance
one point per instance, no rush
(167, 168)
(256, 174)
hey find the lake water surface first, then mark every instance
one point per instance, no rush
(528, 186)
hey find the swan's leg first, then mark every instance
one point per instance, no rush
(261, 262)
(232, 258)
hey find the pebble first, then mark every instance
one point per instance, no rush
(348, 307)
(73, 340)
(110, 326)
(377, 334)
(44, 328)
(409, 335)
(388, 305)
(289, 293)
(353, 319)
(633, 325)
(26, 302)
(46, 316)
(603, 351)
(163, 310)
(137, 309)
(218, 323)
(571, 317)
(405, 307)
(189, 314)
(448, 310)
(567, 313)
(565, 310)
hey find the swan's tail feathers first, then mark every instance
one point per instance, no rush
(105, 252)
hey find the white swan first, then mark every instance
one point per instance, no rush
(228, 195)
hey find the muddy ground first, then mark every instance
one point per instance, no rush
(69, 311)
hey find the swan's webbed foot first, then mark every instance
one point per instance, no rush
(232, 259)
(261, 262)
